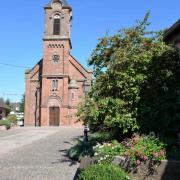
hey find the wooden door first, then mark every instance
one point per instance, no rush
(54, 114)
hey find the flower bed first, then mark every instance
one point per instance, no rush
(136, 150)
(140, 156)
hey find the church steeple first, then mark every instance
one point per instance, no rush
(58, 20)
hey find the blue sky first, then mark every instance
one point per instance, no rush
(22, 27)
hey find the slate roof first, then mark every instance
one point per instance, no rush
(175, 28)
(64, 2)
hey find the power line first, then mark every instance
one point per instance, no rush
(12, 65)
(11, 94)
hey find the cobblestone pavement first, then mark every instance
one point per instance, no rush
(37, 154)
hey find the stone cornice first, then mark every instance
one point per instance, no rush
(63, 7)
(55, 76)
(52, 38)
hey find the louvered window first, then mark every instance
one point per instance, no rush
(56, 28)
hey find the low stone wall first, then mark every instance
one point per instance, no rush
(167, 170)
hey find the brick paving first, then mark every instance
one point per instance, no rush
(38, 154)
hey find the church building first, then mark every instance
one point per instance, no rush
(58, 82)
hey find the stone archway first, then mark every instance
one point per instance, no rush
(54, 111)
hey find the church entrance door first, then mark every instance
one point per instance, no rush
(54, 114)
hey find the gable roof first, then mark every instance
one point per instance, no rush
(33, 71)
(175, 28)
(86, 73)
(3, 105)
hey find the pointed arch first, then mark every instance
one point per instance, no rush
(54, 100)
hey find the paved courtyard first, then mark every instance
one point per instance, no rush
(37, 153)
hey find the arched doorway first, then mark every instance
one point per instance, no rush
(54, 116)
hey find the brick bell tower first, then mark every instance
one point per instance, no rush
(57, 46)
(58, 82)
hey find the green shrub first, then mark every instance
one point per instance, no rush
(78, 150)
(6, 123)
(81, 148)
(103, 172)
(12, 118)
(138, 149)
(106, 152)
(143, 148)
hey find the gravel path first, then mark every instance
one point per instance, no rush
(41, 158)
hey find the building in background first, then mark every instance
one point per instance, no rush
(58, 82)
(15, 107)
(172, 35)
(3, 110)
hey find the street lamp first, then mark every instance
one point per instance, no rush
(86, 87)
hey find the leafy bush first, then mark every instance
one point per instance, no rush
(106, 152)
(103, 172)
(158, 109)
(77, 151)
(81, 148)
(6, 123)
(144, 148)
(12, 118)
(136, 150)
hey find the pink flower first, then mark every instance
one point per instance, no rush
(138, 162)
(145, 157)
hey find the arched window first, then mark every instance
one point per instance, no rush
(73, 96)
(54, 85)
(56, 25)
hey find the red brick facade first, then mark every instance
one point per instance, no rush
(55, 85)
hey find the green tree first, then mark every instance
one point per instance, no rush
(121, 67)
(8, 103)
(159, 109)
(22, 103)
(1, 100)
